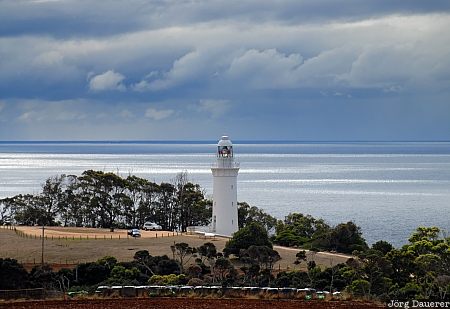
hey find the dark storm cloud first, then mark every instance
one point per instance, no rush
(81, 18)
(169, 69)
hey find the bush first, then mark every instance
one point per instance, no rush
(252, 234)
(12, 275)
(171, 279)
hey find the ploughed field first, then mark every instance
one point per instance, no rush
(79, 245)
(187, 303)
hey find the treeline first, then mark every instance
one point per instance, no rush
(419, 270)
(305, 231)
(107, 200)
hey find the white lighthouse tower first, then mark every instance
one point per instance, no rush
(225, 171)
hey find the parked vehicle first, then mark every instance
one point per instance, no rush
(134, 233)
(152, 226)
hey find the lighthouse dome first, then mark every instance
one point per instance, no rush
(225, 141)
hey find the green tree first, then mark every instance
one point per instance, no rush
(121, 275)
(51, 198)
(382, 246)
(347, 237)
(360, 287)
(252, 234)
(248, 214)
(299, 230)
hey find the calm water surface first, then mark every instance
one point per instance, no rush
(387, 188)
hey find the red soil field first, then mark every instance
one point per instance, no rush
(186, 303)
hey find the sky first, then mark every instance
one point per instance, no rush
(316, 70)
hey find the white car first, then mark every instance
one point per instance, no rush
(134, 233)
(151, 226)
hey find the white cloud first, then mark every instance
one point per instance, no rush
(296, 54)
(109, 80)
(266, 69)
(215, 108)
(188, 67)
(156, 114)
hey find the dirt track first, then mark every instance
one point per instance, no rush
(187, 303)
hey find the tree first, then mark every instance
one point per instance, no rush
(298, 230)
(44, 277)
(143, 258)
(70, 206)
(377, 270)
(265, 257)
(300, 256)
(248, 214)
(28, 210)
(224, 271)
(252, 234)
(182, 252)
(424, 233)
(121, 275)
(51, 198)
(5, 211)
(382, 246)
(347, 237)
(12, 275)
(167, 211)
(360, 287)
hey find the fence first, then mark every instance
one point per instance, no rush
(86, 236)
(215, 291)
(23, 293)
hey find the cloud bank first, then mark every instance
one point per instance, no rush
(313, 70)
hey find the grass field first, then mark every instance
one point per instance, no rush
(74, 250)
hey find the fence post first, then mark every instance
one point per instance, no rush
(156, 235)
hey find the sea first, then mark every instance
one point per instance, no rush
(386, 188)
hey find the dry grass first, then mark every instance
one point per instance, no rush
(76, 232)
(73, 250)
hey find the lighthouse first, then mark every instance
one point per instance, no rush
(225, 171)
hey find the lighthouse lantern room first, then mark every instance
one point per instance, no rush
(225, 171)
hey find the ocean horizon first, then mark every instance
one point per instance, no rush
(387, 188)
